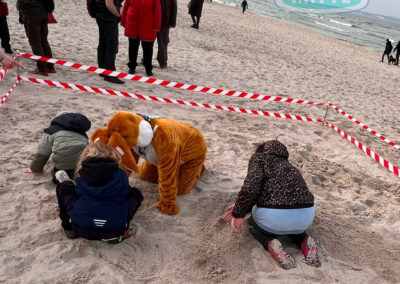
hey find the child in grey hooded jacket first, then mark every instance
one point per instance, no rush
(66, 139)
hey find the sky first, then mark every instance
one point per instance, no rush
(384, 7)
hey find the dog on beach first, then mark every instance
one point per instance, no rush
(392, 60)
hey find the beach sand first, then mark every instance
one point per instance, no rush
(358, 201)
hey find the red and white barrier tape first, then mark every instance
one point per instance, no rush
(165, 100)
(6, 95)
(3, 73)
(378, 158)
(165, 83)
(366, 127)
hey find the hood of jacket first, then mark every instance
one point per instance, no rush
(75, 122)
(274, 148)
(101, 179)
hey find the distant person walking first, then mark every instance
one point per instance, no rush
(142, 22)
(4, 32)
(107, 18)
(168, 20)
(34, 16)
(195, 10)
(398, 53)
(388, 50)
(244, 6)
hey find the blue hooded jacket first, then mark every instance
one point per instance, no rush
(102, 188)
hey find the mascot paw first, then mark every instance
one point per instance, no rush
(168, 208)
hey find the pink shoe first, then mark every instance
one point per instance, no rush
(310, 252)
(277, 252)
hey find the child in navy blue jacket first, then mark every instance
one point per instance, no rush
(100, 204)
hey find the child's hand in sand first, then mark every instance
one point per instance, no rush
(228, 215)
(237, 224)
(28, 171)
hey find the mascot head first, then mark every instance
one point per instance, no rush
(136, 131)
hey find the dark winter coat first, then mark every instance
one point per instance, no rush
(397, 48)
(102, 188)
(141, 19)
(195, 7)
(103, 14)
(35, 7)
(168, 13)
(272, 182)
(66, 139)
(3, 9)
(389, 47)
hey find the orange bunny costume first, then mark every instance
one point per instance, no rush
(174, 152)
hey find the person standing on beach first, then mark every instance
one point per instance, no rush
(195, 10)
(108, 17)
(4, 32)
(244, 6)
(398, 53)
(142, 21)
(388, 50)
(34, 17)
(168, 20)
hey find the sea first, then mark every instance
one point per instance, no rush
(361, 28)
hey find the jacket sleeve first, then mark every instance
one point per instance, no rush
(174, 9)
(124, 12)
(43, 153)
(251, 187)
(157, 16)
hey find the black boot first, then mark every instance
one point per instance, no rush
(114, 80)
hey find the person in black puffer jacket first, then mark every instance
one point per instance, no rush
(100, 204)
(280, 201)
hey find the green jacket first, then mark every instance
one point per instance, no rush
(66, 147)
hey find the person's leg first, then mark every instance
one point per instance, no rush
(388, 58)
(5, 34)
(33, 32)
(133, 53)
(134, 198)
(45, 43)
(299, 238)
(101, 48)
(193, 19)
(66, 197)
(147, 47)
(383, 57)
(397, 58)
(163, 40)
(260, 235)
(111, 38)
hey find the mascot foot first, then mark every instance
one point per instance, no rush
(168, 208)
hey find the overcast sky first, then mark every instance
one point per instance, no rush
(384, 7)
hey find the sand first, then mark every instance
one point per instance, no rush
(357, 200)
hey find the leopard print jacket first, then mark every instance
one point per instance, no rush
(272, 182)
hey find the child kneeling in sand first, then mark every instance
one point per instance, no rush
(65, 138)
(100, 204)
(281, 204)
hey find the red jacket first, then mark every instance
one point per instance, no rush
(141, 19)
(3, 9)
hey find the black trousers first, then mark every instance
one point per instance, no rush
(195, 19)
(263, 237)
(147, 47)
(36, 29)
(108, 44)
(163, 41)
(383, 56)
(4, 33)
(397, 58)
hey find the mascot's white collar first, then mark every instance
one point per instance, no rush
(145, 134)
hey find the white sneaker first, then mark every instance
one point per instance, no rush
(62, 176)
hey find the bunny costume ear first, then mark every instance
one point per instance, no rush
(100, 135)
(128, 160)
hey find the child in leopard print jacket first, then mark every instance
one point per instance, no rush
(276, 194)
